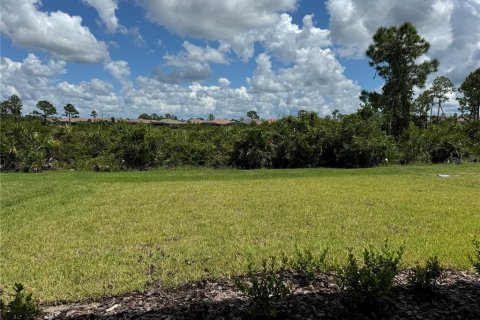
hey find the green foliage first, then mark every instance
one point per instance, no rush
(414, 145)
(421, 108)
(470, 102)
(361, 143)
(13, 106)
(446, 141)
(22, 306)
(145, 116)
(252, 114)
(352, 141)
(442, 87)
(300, 140)
(70, 111)
(24, 146)
(102, 163)
(393, 54)
(307, 264)
(263, 287)
(255, 148)
(47, 110)
(372, 280)
(4, 108)
(424, 278)
(475, 260)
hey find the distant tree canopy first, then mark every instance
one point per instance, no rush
(422, 105)
(145, 116)
(155, 116)
(47, 110)
(441, 90)
(393, 54)
(70, 111)
(13, 106)
(470, 102)
(94, 114)
(252, 114)
(170, 116)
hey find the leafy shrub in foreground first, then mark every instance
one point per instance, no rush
(371, 280)
(424, 278)
(306, 265)
(263, 287)
(476, 258)
(22, 307)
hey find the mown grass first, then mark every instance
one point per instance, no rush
(72, 235)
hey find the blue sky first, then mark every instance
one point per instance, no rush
(196, 57)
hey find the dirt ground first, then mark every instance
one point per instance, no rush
(457, 297)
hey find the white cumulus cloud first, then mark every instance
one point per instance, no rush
(106, 10)
(119, 69)
(57, 32)
(33, 79)
(284, 38)
(296, 70)
(451, 26)
(191, 64)
(230, 21)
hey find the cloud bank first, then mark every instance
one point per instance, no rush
(56, 33)
(451, 26)
(295, 66)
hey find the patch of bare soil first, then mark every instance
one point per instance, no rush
(457, 297)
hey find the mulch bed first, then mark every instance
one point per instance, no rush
(457, 297)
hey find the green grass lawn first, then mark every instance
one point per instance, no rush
(71, 235)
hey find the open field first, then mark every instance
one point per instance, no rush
(71, 235)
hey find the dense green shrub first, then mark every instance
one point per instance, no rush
(476, 258)
(255, 148)
(263, 287)
(352, 141)
(356, 143)
(21, 307)
(24, 146)
(372, 279)
(299, 141)
(424, 278)
(414, 146)
(447, 142)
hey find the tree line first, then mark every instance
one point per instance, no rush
(393, 125)
(305, 140)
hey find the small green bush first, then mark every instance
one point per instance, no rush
(424, 278)
(476, 258)
(306, 265)
(22, 307)
(263, 287)
(367, 283)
